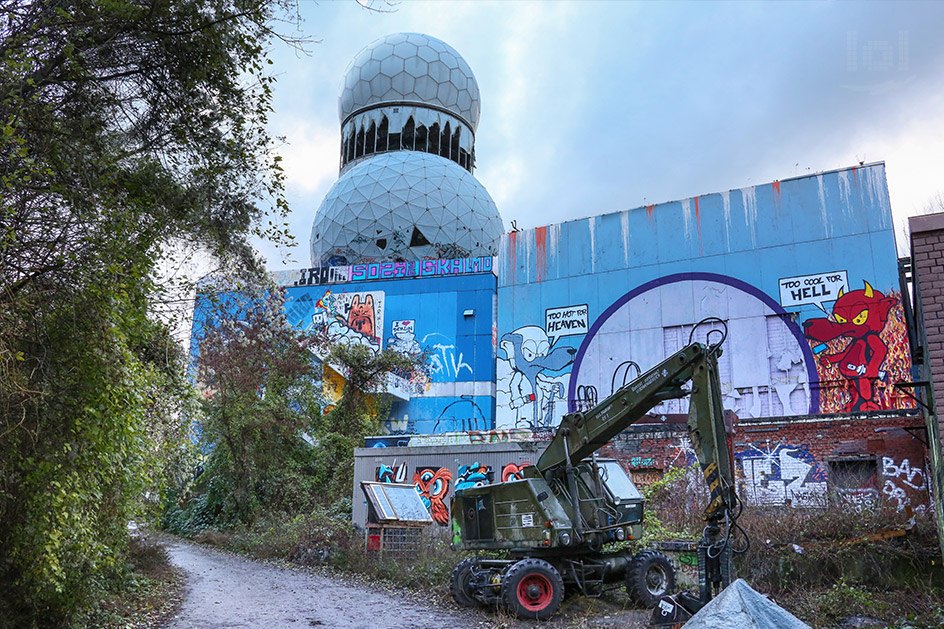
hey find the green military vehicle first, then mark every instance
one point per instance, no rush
(556, 521)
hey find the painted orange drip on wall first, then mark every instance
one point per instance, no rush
(855, 176)
(649, 211)
(540, 241)
(776, 186)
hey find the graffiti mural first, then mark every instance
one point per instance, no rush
(527, 384)
(901, 481)
(850, 346)
(355, 317)
(765, 369)
(782, 475)
(433, 486)
(391, 473)
(474, 475)
(512, 471)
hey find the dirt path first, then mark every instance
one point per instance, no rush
(224, 590)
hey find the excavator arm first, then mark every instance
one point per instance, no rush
(581, 434)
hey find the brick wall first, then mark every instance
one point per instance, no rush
(799, 461)
(927, 255)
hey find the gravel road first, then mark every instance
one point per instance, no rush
(224, 590)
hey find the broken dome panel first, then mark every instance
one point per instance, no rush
(387, 195)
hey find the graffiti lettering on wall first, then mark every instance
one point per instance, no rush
(566, 321)
(474, 475)
(812, 289)
(900, 480)
(853, 344)
(355, 318)
(782, 475)
(384, 271)
(858, 500)
(640, 461)
(512, 471)
(446, 362)
(527, 383)
(433, 485)
(391, 473)
(474, 437)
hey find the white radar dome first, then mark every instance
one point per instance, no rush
(410, 68)
(404, 205)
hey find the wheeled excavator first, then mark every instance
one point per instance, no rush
(557, 522)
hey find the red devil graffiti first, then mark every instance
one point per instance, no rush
(859, 315)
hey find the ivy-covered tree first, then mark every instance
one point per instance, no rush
(261, 388)
(361, 409)
(125, 125)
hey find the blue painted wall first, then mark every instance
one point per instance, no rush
(459, 394)
(648, 274)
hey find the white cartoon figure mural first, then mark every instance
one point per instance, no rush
(524, 384)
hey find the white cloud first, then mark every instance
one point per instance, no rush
(311, 156)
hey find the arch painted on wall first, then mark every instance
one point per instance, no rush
(706, 277)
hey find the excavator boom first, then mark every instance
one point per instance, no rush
(581, 434)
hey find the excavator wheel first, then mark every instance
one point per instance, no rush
(532, 588)
(650, 577)
(461, 583)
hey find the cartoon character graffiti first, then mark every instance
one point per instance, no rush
(352, 318)
(474, 475)
(513, 471)
(533, 392)
(433, 485)
(361, 315)
(859, 315)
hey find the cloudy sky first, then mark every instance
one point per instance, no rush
(593, 107)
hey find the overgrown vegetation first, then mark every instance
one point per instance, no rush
(124, 126)
(822, 564)
(277, 450)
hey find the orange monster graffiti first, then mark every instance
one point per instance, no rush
(854, 344)
(433, 485)
(361, 316)
(512, 471)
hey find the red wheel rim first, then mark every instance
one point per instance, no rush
(535, 592)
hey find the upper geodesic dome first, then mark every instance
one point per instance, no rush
(410, 68)
(404, 205)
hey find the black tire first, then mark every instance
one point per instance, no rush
(461, 583)
(532, 588)
(650, 577)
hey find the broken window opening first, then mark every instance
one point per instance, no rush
(433, 146)
(421, 136)
(853, 473)
(408, 135)
(444, 141)
(370, 140)
(381, 243)
(417, 239)
(454, 153)
(359, 148)
(382, 135)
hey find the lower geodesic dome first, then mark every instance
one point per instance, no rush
(404, 205)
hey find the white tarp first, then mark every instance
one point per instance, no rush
(740, 607)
